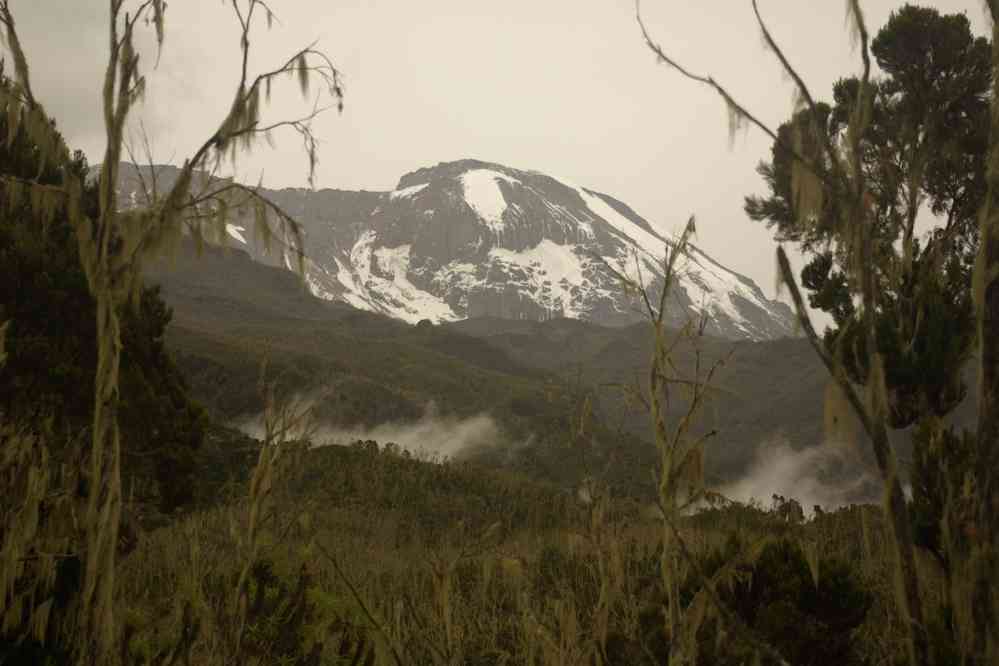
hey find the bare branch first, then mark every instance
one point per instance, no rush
(396, 655)
(14, 44)
(787, 276)
(730, 102)
(53, 189)
(708, 585)
(146, 191)
(873, 421)
(802, 89)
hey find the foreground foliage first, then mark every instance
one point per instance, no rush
(414, 562)
(365, 555)
(848, 181)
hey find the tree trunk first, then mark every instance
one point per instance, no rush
(899, 523)
(984, 537)
(104, 499)
(982, 565)
(983, 562)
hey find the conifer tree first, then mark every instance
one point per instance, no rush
(828, 188)
(50, 358)
(924, 147)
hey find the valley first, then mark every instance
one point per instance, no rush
(230, 313)
(484, 412)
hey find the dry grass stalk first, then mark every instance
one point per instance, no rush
(114, 245)
(841, 176)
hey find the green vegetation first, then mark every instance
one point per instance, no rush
(459, 563)
(50, 358)
(587, 547)
(849, 181)
(924, 145)
(369, 370)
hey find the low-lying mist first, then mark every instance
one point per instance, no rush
(433, 436)
(826, 475)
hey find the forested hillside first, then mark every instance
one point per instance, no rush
(201, 462)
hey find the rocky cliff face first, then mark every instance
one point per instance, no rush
(468, 239)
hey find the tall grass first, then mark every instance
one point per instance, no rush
(568, 583)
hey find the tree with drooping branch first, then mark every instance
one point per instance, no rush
(833, 191)
(114, 243)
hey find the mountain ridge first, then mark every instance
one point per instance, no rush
(470, 238)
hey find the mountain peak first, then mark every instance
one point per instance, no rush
(471, 238)
(448, 170)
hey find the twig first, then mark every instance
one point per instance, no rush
(731, 618)
(730, 101)
(360, 602)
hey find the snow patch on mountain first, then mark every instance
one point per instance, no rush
(312, 275)
(380, 282)
(719, 287)
(354, 293)
(457, 275)
(482, 192)
(471, 238)
(568, 219)
(637, 266)
(556, 274)
(646, 242)
(408, 191)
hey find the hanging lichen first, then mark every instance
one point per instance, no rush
(114, 245)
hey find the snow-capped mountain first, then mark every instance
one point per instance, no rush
(469, 238)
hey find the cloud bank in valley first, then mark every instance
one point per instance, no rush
(827, 476)
(432, 436)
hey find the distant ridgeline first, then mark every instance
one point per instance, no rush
(469, 239)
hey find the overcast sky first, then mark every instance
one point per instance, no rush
(566, 87)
